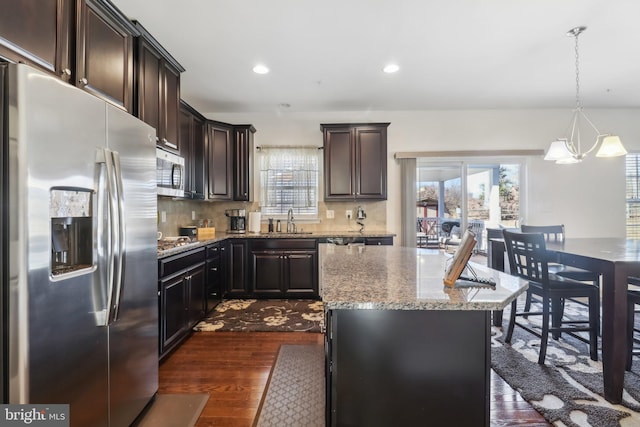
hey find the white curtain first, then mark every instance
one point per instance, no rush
(408, 201)
(289, 179)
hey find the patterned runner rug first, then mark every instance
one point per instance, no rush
(568, 389)
(252, 315)
(295, 392)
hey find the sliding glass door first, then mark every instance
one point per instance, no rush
(475, 194)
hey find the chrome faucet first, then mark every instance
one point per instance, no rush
(291, 225)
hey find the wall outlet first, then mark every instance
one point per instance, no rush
(349, 214)
(163, 216)
(331, 214)
(193, 215)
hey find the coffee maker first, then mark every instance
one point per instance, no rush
(237, 220)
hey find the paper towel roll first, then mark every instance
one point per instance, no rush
(254, 222)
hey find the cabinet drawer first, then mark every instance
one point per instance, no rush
(213, 251)
(173, 264)
(283, 244)
(387, 241)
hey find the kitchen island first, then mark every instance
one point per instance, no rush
(402, 348)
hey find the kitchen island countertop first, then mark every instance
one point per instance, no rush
(402, 278)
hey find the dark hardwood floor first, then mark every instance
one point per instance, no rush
(233, 367)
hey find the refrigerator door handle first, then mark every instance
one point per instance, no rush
(121, 233)
(103, 156)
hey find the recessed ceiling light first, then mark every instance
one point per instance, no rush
(391, 68)
(260, 69)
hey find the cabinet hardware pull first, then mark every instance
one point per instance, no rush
(66, 72)
(170, 144)
(83, 81)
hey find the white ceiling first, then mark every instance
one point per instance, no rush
(454, 54)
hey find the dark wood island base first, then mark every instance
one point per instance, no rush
(408, 367)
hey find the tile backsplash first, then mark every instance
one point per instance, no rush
(179, 213)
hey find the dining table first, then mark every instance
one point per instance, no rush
(616, 259)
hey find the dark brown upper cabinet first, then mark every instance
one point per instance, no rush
(219, 161)
(157, 89)
(192, 143)
(38, 32)
(104, 52)
(243, 162)
(355, 161)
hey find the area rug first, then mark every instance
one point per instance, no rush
(568, 389)
(295, 392)
(174, 410)
(250, 315)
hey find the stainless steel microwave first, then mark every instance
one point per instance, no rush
(170, 173)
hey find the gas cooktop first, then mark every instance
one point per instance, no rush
(172, 242)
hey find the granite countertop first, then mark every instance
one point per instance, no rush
(401, 278)
(301, 235)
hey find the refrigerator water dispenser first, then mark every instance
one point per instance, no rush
(71, 230)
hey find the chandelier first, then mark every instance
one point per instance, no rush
(569, 150)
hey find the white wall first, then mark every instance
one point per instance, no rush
(589, 198)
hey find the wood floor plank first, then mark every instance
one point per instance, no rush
(233, 367)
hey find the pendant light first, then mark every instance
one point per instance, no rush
(568, 150)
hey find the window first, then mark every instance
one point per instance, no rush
(289, 180)
(633, 195)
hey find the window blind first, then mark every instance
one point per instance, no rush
(289, 180)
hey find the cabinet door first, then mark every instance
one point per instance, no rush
(301, 274)
(149, 99)
(371, 163)
(196, 293)
(104, 53)
(37, 32)
(172, 311)
(170, 106)
(219, 163)
(213, 290)
(198, 159)
(186, 138)
(237, 268)
(338, 164)
(267, 273)
(242, 163)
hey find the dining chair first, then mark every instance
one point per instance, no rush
(556, 234)
(528, 259)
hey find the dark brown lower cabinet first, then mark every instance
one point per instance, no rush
(284, 268)
(215, 276)
(235, 257)
(181, 293)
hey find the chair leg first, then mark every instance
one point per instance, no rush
(630, 322)
(545, 331)
(527, 303)
(594, 324)
(557, 311)
(512, 321)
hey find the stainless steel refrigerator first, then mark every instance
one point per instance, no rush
(78, 265)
